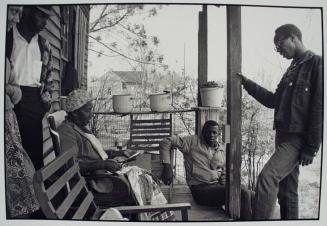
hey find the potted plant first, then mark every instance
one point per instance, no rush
(211, 93)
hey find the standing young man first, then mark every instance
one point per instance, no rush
(297, 120)
(30, 55)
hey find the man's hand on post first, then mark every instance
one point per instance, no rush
(167, 174)
(241, 77)
(305, 159)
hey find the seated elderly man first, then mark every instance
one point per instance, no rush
(204, 160)
(93, 159)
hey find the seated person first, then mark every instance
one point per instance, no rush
(93, 160)
(204, 160)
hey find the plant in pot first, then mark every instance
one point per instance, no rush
(212, 93)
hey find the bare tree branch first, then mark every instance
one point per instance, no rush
(110, 25)
(125, 28)
(97, 21)
(103, 54)
(127, 57)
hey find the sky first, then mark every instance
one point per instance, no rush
(177, 29)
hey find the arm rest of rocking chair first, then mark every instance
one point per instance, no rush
(183, 207)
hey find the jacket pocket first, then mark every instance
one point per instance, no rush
(302, 93)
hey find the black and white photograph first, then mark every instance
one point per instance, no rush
(122, 112)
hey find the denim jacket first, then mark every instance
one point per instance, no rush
(297, 100)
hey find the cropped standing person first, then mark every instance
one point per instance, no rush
(20, 197)
(297, 120)
(30, 55)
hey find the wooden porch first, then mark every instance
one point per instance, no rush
(182, 194)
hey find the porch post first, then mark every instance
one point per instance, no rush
(234, 94)
(202, 59)
(202, 50)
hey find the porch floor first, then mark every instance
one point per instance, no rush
(182, 193)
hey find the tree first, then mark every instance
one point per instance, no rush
(101, 103)
(120, 30)
(184, 92)
(257, 138)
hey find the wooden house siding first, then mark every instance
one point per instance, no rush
(81, 41)
(53, 33)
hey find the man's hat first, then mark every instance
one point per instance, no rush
(47, 9)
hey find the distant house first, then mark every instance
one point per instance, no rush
(114, 83)
(117, 82)
(67, 32)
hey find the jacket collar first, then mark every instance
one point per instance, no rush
(307, 56)
(76, 128)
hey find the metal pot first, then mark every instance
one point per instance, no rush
(122, 103)
(160, 101)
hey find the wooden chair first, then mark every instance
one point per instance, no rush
(51, 142)
(50, 181)
(120, 183)
(146, 135)
(121, 189)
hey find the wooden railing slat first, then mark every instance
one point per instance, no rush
(153, 208)
(149, 137)
(150, 121)
(66, 204)
(47, 145)
(144, 142)
(82, 209)
(61, 182)
(50, 169)
(150, 127)
(166, 132)
(46, 134)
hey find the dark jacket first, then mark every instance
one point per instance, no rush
(297, 100)
(72, 139)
